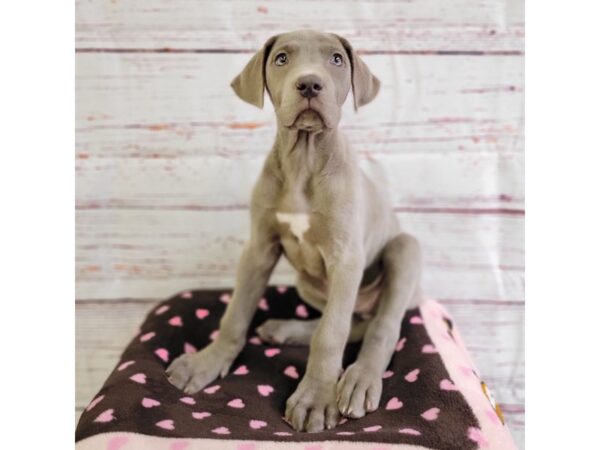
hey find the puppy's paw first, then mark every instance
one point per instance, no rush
(358, 391)
(312, 407)
(191, 372)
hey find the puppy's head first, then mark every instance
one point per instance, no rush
(308, 76)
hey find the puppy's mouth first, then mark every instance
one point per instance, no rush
(308, 119)
(308, 114)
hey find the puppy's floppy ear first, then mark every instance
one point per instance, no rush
(250, 84)
(365, 85)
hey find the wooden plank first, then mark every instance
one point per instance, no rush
(174, 105)
(149, 253)
(418, 25)
(515, 419)
(491, 332)
(102, 331)
(434, 180)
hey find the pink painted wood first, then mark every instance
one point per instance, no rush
(466, 26)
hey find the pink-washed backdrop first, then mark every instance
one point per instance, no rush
(167, 155)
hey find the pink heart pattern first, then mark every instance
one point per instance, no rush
(189, 348)
(447, 385)
(413, 343)
(236, 403)
(265, 390)
(246, 446)
(187, 400)
(263, 305)
(94, 402)
(291, 372)
(147, 336)
(202, 313)
(255, 340)
(242, 370)
(410, 431)
(166, 424)
(257, 424)
(270, 352)
(176, 321)
(301, 311)
(416, 320)
(179, 445)
(431, 414)
(162, 353)
(477, 436)
(125, 365)
(150, 402)
(400, 344)
(162, 309)
(138, 378)
(106, 416)
(117, 442)
(412, 376)
(212, 389)
(393, 404)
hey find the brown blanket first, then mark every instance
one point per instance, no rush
(422, 405)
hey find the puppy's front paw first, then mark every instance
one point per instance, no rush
(191, 372)
(312, 407)
(358, 391)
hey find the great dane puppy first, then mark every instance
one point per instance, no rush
(314, 204)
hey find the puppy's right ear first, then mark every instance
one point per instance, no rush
(250, 84)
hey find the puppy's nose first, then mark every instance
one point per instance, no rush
(309, 86)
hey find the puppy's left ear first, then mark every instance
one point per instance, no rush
(365, 85)
(250, 84)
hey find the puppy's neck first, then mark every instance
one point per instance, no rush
(308, 152)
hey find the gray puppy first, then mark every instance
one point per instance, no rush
(336, 227)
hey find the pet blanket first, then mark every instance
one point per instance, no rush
(432, 395)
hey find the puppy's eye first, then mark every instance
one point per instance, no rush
(281, 59)
(336, 59)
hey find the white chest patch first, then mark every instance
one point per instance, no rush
(298, 222)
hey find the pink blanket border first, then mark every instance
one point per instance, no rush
(493, 435)
(135, 441)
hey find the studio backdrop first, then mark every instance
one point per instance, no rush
(166, 156)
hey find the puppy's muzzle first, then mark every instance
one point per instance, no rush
(309, 86)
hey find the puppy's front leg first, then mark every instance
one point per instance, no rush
(360, 387)
(312, 407)
(192, 372)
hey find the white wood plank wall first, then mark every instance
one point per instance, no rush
(166, 157)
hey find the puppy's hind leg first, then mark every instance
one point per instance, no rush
(287, 331)
(359, 389)
(299, 332)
